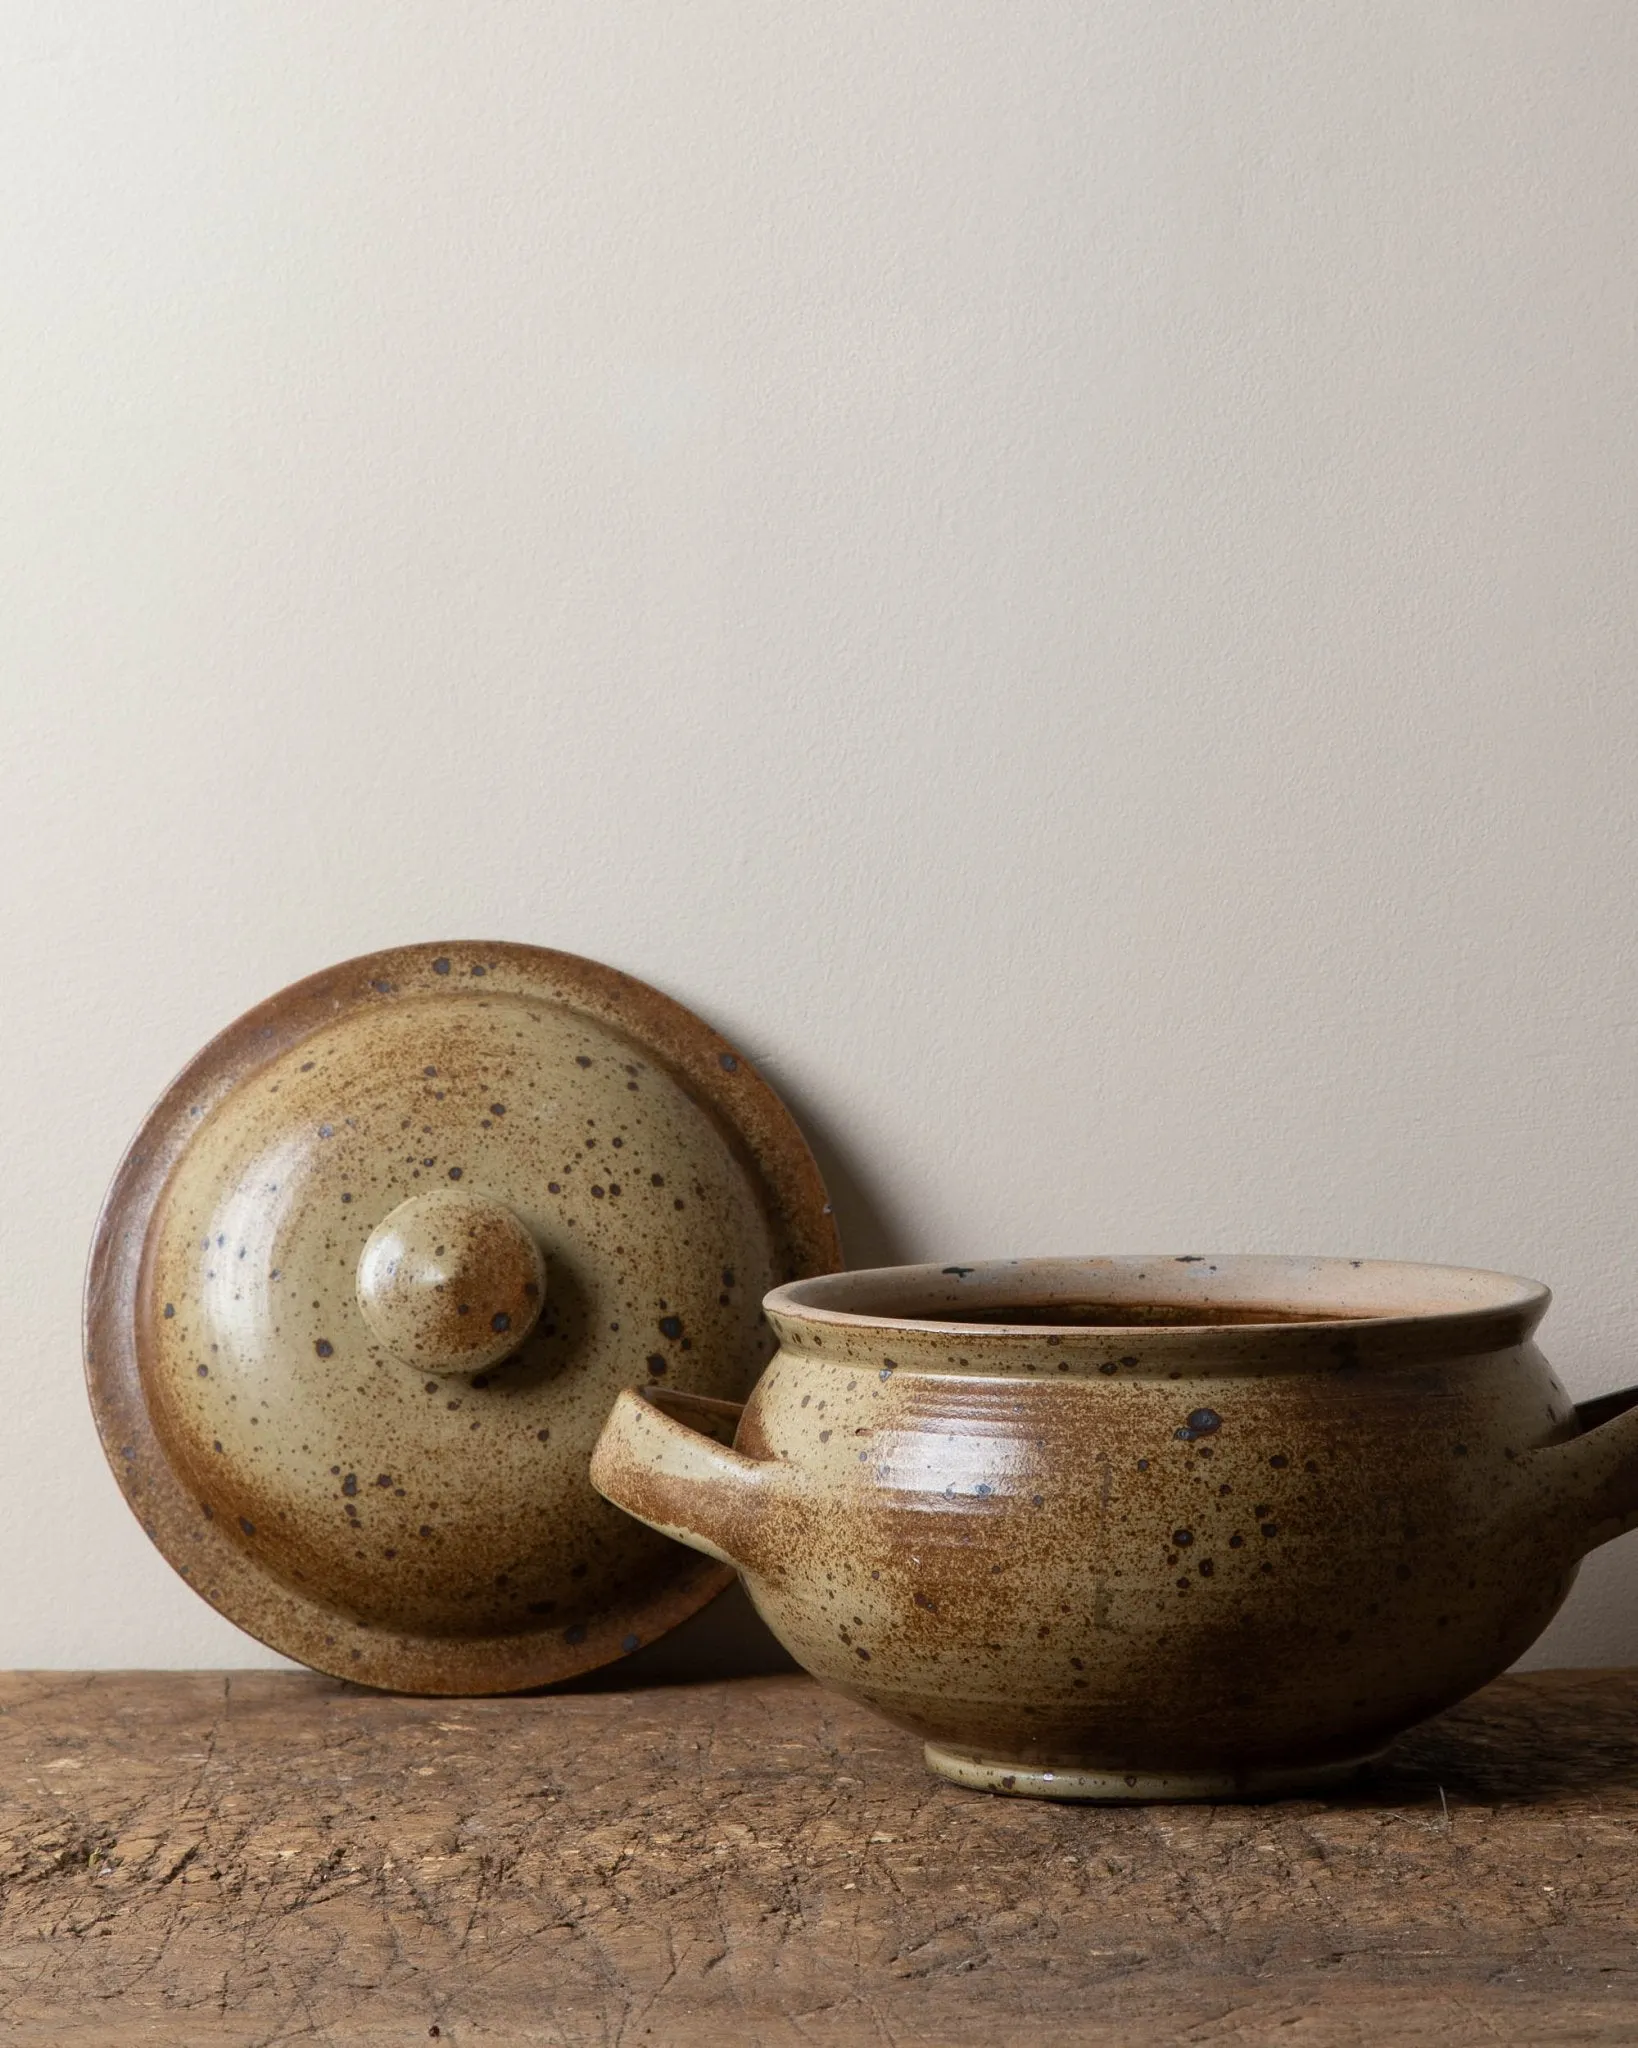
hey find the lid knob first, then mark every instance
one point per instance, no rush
(451, 1281)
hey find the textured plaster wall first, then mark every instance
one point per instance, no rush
(1064, 572)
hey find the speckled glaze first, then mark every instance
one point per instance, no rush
(1166, 1558)
(375, 1267)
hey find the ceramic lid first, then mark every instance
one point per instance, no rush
(372, 1273)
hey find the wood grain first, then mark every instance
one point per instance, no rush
(274, 1858)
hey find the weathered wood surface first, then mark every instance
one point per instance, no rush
(270, 1858)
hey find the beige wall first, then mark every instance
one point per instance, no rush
(1064, 572)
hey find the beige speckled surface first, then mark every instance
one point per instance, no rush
(352, 1476)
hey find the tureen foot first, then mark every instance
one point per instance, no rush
(1035, 1781)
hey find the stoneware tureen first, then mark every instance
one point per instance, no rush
(375, 1267)
(1144, 1528)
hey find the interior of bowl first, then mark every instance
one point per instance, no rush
(1159, 1291)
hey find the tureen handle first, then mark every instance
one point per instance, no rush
(662, 1458)
(1604, 1458)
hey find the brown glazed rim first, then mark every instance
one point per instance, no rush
(763, 1132)
(1432, 1295)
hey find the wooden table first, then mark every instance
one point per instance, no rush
(271, 1858)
